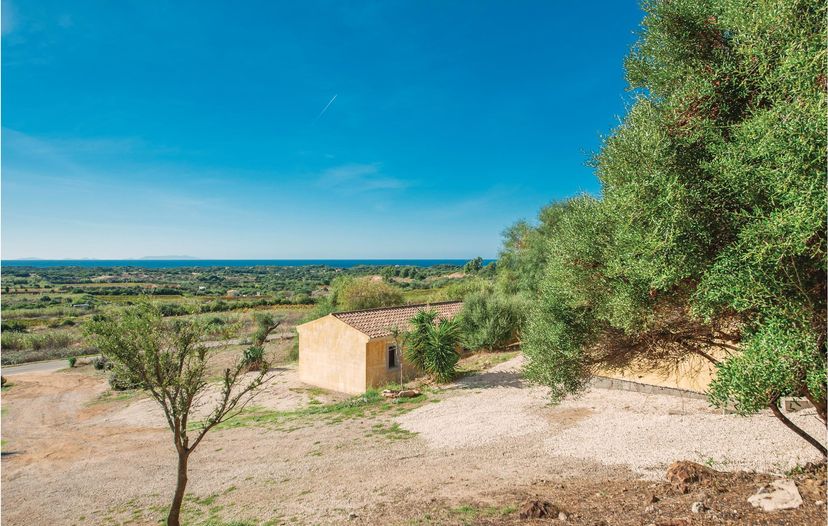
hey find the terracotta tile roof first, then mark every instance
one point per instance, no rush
(377, 323)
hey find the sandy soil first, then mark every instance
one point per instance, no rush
(484, 443)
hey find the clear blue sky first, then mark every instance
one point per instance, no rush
(139, 128)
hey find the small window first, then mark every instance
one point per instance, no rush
(392, 356)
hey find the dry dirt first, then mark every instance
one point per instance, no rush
(470, 454)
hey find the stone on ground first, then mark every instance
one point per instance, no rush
(781, 495)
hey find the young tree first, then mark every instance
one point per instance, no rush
(400, 335)
(709, 237)
(169, 360)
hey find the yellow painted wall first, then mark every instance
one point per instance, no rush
(693, 373)
(332, 355)
(377, 372)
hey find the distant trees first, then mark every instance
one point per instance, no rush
(365, 293)
(525, 249)
(709, 237)
(473, 266)
(169, 360)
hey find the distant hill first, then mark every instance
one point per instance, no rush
(167, 257)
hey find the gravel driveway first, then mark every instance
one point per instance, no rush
(643, 432)
(71, 458)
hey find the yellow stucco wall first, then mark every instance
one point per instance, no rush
(332, 355)
(693, 373)
(377, 372)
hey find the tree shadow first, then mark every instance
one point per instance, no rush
(488, 380)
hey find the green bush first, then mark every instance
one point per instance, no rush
(101, 363)
(14, 326)
(12, 341)
(121, 380)
(72, 361)
(490, 320)
(365, 293)
(254, 358)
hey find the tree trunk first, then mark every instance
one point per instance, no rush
(819, 406)
(173, 519)
(774, 406)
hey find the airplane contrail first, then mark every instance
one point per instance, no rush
(328, 105)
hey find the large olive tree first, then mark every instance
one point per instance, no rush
(709, 236)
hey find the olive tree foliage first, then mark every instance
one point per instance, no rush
(709, 237)
(170, 361)
(523, 256)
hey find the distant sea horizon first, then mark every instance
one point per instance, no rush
(177, 263)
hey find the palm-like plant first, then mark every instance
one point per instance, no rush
(417, 342)
(440, 355)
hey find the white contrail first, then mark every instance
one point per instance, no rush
(328, 105)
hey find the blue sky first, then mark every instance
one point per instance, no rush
(139, 128)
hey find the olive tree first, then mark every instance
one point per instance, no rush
(170, 361)
(709, 236)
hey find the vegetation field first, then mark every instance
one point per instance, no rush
(44, 309)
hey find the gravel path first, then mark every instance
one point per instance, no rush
(643, 432)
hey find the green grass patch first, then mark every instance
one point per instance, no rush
(367, 405)
(110, 395)
(472, 512)
(391, 432)
(481, 361)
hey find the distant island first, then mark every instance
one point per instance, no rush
(168, 258)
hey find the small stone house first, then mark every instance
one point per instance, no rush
(353, 351)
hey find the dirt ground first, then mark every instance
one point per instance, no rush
(469, 453)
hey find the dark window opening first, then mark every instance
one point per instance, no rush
(392, 356)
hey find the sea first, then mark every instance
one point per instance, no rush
(175, 263)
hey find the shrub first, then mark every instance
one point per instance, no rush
(72, 360)
(441, 350)
(365, 293)
(172, 309)
(253, 358)
(432, 345)
(120, 379)
(418, 338)
(101, 363)
(14, 326)
(490, 320)
(12, 341)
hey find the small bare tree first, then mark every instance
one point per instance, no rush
(400, 337)
(168, 359)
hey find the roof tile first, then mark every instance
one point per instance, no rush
(377, 323)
